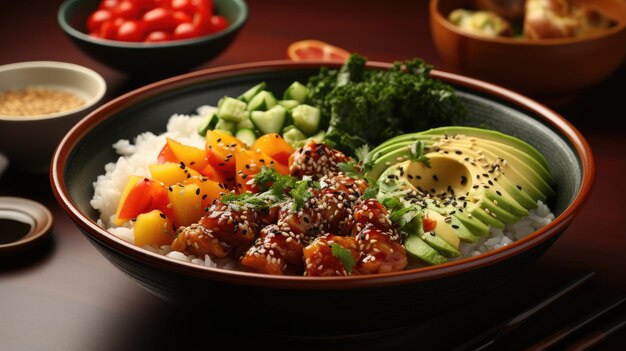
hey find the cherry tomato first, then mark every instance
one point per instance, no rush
(109, 28)
(126, 9)
(155, 37)
(158, 19)
(202, 22)
(181, 17)
(147, 5)
(185, 6)
(185, 31)
(109, 4)
(130, 30)
(219, 23)
(95, 20)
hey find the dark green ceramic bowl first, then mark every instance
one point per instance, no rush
(160, 59)
(374, 303)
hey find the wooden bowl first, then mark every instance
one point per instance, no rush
(545, 69)
(369, 304)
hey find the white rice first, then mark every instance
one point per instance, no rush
(136, 156)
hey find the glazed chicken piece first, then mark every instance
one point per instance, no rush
(320, 261)
(381, 251)
(217, 233)
(337, 195)
(315, 160)
(276, 251)
(327, 210)
(370, 212)
(305, 221)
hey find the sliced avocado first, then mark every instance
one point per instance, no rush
(420, 250)
(431, 238)
(462, 181)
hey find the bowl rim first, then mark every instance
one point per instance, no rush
(93, 231)
(438, 17)
(75, 33)
(58, 65)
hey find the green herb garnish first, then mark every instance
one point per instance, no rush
(417, 153)
(343, 255)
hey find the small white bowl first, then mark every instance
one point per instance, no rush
(30, 141)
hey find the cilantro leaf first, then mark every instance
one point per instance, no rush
(371, 192)
(417, 153)
(343, 255)
(300, 193)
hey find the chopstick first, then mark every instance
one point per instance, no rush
(597, 336)
(562, 334)
(492, 335)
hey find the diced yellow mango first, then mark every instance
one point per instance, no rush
(153, 228)
(209, 189)
(191, 156)
(171, 173)
(186, 201)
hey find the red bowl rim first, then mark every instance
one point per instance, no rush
(146, 257)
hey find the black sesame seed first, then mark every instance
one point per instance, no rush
(162, 215)
(455, 226)
(198, 191)
(498, 192)
(435, 177)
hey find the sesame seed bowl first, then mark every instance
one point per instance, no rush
(395, 298)
(39, 102)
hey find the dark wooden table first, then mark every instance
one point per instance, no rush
(64, 295)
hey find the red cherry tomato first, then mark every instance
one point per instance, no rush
(130, 30)
(185, 31)
(126, 9)
(109, 4)
(181, 17)
(155, 37)
(109, 28)
(185, 6)
(154, 20)
(219, 23)
(95, 20)
(158, 19)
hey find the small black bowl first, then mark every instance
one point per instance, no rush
(314, 306)
(160, 59)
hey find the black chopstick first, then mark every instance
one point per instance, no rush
(492, 335)
(562, 334)
(597, 336)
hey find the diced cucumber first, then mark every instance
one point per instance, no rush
(294, 137)
(246, 123)
(249, 94)
(262, 101)
(270, 121)
(296, 91)
(232, 109)
(246, 135)
(288, 104)
(228, 126)
(317, 137)
(208, 122)
(306, 118)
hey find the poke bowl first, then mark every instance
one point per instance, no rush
(395, 294)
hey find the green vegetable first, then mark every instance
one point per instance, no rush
(369, 106)
(343, 255)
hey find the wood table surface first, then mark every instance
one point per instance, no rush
(63, 295)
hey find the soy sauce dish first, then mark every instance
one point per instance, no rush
(24, 223)
(394, 297)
